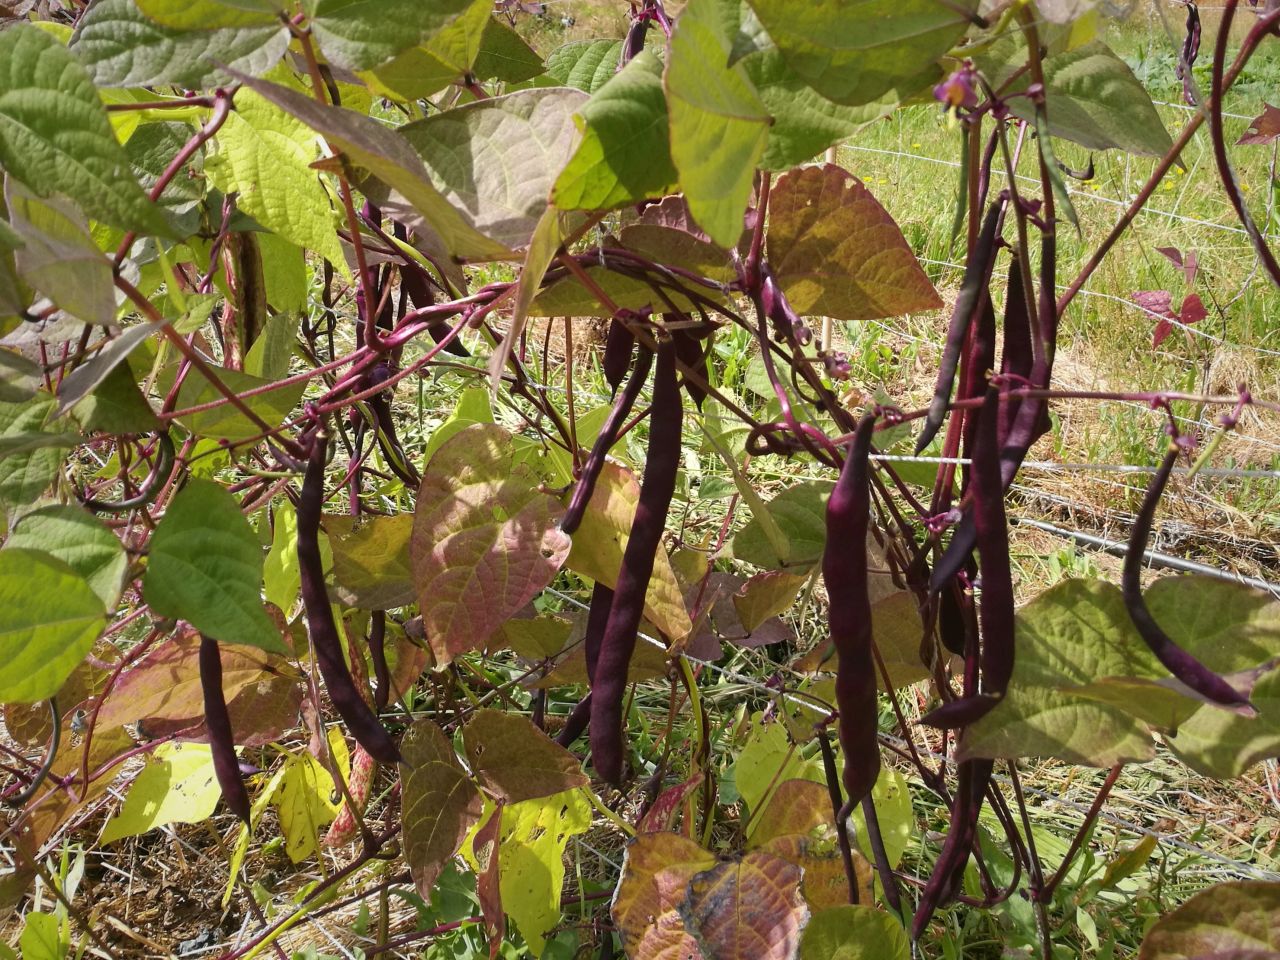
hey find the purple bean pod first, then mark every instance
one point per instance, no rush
(217, 721)
(326, 642)
(619, 640)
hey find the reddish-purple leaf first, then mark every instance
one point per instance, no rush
(1264, 128)
(1162, 331)
(1158, 302)
(1192, 309)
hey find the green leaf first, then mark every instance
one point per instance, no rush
(211, 14)
(497, 159)
(1086, 707)
(264, 156)
(33, 456)
(177, 785)
(389, 158)
(515, 761)
(768, 759)
(440, 804)
(120, 47)
(205, 567)
(854, 933)
(371, 567)
(271, 353)
(473, 407)
(41, 938)
(837, 252)
(362, 34)
(1228, 920)
(49, 619)
(281, 577)
(624, 154)
(116, 405)
(19, 377)
(585, 64)
(87, 377)
(568, 297)
(55, 136)
(505, 56)
(225, 421)
(856, 51)
(284, 268)
(1091, 97)
(892, 799)
(800, 513)
(480, 518)
(59, 257)
(427, 69)
(535, 834)
(81, 541)
(719, 125)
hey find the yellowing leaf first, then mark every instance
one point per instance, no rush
(837, 252)
(264, 155)
(531, 859)
(371, 560)
(485, 540)
(767, 760)
(854, 933)
(1239, 919)
(599, 542)
(440, 803)
(654, 886)
(177, 785)
(748, 908)
(308, 799)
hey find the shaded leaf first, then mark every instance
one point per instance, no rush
(485, 540)
(205, 566)
(177, 785)
(1240, 916)
(58, 256)
(748, 908)
(837, 252)
(719, 125)
(1091, 97)
(225, 422)
(856, 51)
(515, 761)
(600, 540)
(371, 566)
(766, 595)
(424, 70)
(440, 803)
(504, 55)
(800, 512)
(29, 457)
(262, 691)
(87, 377)
(49, 619)
(851, 932)
(486, 848)
(897, 629)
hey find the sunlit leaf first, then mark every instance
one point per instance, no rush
(177, 785)
(800, 512)
(308, 799)
(49, 618)
(361, 34)
(599, 542)
(654, 886)
(718, 123)
(749, 907)
(837, 252)
(371, 567)
(585, 64)
(485, 540)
